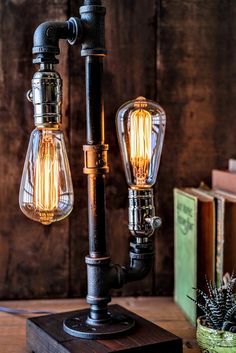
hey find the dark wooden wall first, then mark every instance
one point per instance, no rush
(179, 52)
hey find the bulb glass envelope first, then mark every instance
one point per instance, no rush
(141, 129)
(46, 191)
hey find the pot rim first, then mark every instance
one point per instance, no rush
(212, 330)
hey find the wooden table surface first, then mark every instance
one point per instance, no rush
(160, 310)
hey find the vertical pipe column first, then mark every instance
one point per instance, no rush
(96, 167)
(95, 153)
(95, 137)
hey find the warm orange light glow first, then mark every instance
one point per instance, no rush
(140, 144)
(46, 185)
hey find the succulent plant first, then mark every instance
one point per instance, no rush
(219, 305)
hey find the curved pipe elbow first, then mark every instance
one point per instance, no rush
(47, 36)
(137, 270)
(141, 260)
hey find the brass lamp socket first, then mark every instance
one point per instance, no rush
(142, 219)
(46, 96)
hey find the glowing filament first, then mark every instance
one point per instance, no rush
(46, 186)
(140, 144)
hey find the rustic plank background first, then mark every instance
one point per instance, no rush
(179, 52)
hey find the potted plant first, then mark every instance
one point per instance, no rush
(216, 330)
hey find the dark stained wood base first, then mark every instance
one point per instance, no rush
(45, 335)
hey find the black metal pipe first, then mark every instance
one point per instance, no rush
(95, 136)
(96, 216)
(94, 100)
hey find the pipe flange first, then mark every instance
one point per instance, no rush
(102, 261)
(141, 256)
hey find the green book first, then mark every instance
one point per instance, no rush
(194, 217)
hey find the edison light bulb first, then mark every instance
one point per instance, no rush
(46, 191)
(141, 128)
(140, 135)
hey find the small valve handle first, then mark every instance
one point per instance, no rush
(154, 222)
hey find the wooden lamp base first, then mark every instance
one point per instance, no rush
(45, 334)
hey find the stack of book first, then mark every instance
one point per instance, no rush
(205, 236)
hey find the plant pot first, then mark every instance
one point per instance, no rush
(215, 341)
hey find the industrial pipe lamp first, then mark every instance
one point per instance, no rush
(46, 191)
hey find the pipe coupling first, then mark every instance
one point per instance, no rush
(142, 219)
(46, 96)
(95, 159)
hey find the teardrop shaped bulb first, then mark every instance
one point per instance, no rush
(141, 129)
(46, 191)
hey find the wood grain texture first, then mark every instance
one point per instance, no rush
(33, 258)
(196, 87)
(161, 311)
(45, 334)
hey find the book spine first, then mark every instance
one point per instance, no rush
(220, 240)
(224, 180)
(185, 207)
(232, 165)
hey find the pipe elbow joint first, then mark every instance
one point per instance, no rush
(139, 268)
(141, 261)
(47, 36)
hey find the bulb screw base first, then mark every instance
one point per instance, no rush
(46, 96)
(142, 219)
